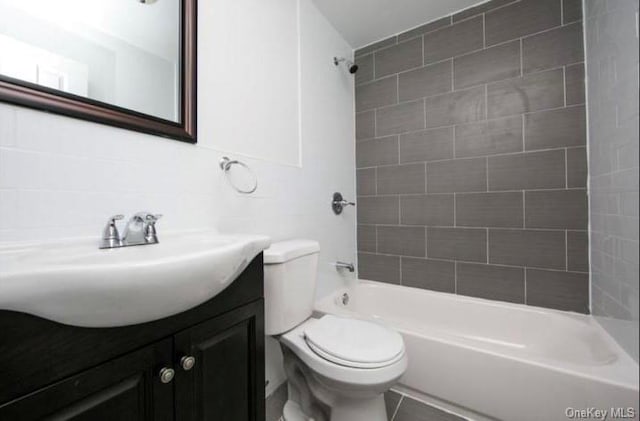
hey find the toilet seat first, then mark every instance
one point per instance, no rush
(354, 343)
(354, 376)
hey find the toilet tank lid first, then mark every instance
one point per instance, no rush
(283, 251)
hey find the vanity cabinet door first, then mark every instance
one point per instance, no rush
(226, 381)
(126, 388)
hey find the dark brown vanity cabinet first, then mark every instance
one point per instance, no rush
(223, 384)
(126, 388)
(204, 364)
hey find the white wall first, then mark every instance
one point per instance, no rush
(259, 40)
(61, 177)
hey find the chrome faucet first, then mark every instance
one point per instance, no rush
(345, 265)
(110, 235)
(338, 203)
(140, 230)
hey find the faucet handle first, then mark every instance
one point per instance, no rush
(115, 218)
(150, 233)
(152, 219)
(110, 234)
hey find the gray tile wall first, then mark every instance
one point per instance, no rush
(471, 155)
(612, 70)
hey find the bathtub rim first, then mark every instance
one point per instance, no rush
(623, 361)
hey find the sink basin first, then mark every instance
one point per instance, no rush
(77, 284)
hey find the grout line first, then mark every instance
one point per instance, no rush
(468, 88)
(454, 142)
(524, 209)
(426, 253)
(486, 171)
(486, 11)
(395, 412)
(451, 414)
(566, 170)
(511, 116)
(455, 217)
(375, 123)
(471, 262)
(524, 148)
(424, 105)
(521, 59)
(564, 83)
(566, 250)
(484, 31)
(422, 66)
(548, 30)
(487, 245)
(453, 87)
(486, 101)
(474, 228)
(373, 66)
(455, 276)
(425, 178)
(525, 284)
(433, 63)
(498, 44)
(383, 107)
(438, 193)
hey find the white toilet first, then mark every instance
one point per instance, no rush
(338, 368)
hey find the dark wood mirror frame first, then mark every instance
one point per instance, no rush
(33, 96)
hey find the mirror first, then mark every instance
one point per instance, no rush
(128, 63)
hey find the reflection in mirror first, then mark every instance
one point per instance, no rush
(125, 53)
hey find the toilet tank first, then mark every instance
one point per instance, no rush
(290, 273)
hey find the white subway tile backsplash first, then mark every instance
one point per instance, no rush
(7, 125)
(8, 211)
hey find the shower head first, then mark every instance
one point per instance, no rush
(351, 66)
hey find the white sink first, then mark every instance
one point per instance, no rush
(77, 284)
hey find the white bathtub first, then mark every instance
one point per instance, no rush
(504, 361)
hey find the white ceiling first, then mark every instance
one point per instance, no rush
(362, 22)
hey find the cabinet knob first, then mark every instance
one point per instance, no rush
(187, 362)
(166, 374)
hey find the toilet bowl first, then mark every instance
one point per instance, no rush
(338, 368)
(347, 379)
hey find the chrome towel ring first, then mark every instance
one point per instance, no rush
(225, 166)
